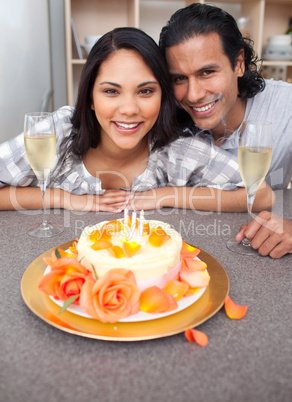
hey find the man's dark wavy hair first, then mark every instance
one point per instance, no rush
(202, 19)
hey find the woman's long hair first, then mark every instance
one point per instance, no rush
(86, 128)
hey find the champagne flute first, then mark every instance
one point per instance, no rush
(40, 146)
(254, 159)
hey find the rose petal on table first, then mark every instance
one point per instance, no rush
(194, 335)
(156, 300)
(233, 310)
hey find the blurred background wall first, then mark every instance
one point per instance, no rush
(33, 64)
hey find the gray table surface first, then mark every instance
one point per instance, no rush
(245, 360)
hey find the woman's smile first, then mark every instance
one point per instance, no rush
(126, 100)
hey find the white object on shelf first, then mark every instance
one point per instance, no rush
(86, 49)
(277, 52)
(280, 40)
(91, 40)
(276, 72)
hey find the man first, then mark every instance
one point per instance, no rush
(269, 234)
(215, 80)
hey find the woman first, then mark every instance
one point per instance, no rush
(122, 136)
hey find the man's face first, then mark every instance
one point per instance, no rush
(205, 84)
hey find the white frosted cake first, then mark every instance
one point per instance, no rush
(149, 253)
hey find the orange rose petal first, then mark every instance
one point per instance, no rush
(65, 254)
(131, 247)
(155, 300)
(50, 261)
(196, 279)
(194, 335)
(113, 296)
(176, 288)
(234, 311)
(99, 235)
(172, 303)
(101, 244)
(158, 237)
(111, 227)
(188, 250)
(117, 251)
(73, 248)
(95, 235)
(191, 291)
(69, 264)
(195, 265)
(86, 301)
(49, 282)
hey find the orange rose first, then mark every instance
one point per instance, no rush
(112, 297)
(66, 279)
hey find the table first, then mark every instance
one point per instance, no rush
(245, 360)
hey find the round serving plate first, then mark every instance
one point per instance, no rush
(42, 306)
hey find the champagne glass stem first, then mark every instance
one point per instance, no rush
(42, 185)
(250, 200)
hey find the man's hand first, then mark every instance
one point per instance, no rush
(269, 234)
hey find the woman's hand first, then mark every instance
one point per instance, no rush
(110, 201)
(269, 234)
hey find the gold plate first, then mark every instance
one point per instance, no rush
(41, 305)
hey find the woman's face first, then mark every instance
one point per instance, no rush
(126, 99)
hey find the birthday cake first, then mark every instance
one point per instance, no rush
(125, 267)
(149, 249)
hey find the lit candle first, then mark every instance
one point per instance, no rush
(125, 224)
(133, 226)
(141, 223)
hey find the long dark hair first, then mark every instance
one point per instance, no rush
(86, 128)
(202, 19)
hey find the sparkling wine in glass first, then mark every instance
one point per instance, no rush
(254, 159)
(40, 146)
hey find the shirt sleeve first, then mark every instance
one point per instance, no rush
(197, 162)
(15, 169)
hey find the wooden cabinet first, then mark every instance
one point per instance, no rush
(96, 17)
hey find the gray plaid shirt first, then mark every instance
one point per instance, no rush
(190, 161)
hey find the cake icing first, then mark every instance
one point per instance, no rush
(147, 262)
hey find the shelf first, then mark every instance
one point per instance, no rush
(277, 63)
(96, 17)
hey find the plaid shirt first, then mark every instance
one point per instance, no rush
(188, 161)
